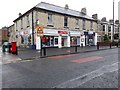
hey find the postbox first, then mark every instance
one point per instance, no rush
(14, 48)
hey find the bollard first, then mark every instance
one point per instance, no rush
(41, 52)
(16, 50)
(117, 44)
(44, 51)
(110, 45)
(75, 48)
(97, 47)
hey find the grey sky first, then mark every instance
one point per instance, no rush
(10, 8)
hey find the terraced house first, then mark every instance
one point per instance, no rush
(106, 28)
(62, 27)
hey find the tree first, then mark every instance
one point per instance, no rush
(106, 38)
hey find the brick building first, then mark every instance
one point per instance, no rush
(3, 35)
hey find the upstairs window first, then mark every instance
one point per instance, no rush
(91, 25)
(16, 26)
(49, 18)
(21, 23)
(28, 22)
(65, 21)
(109, 28)
(84, 24)
(103, 27)
(77, 23)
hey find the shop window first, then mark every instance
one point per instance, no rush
(49, 41)
(73, 41)
(56, 41)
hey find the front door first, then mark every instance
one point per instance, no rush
(55, 41)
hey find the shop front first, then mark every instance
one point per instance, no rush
(89, 39)
(49, 39)
(58, 38)
(74, 38)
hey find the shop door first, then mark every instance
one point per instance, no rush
(91, 40)
(55, 41)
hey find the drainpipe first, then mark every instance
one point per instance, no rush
(32, 28)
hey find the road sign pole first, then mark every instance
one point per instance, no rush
(41, 46)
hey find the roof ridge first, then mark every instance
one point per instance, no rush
(57, 6)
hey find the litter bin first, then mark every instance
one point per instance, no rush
(3, 48)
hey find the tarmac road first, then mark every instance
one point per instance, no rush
(96, 69)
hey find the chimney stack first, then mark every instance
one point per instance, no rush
(20, 14)
(95, 16)
(66, 6)
(84, 11)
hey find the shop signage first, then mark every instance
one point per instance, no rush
(62, 32)
(40, 30)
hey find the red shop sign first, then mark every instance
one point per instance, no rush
(62, 32)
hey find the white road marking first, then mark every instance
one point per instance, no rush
(73, 83)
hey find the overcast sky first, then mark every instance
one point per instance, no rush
(10, 8)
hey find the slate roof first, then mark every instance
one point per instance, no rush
(58, 9)
(62, 10)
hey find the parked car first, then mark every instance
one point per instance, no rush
(6, 44)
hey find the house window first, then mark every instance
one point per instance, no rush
(109, 28)
(91, 25)
(103, 27)
(21, 23)
(49, 18)
(84, 24)
(77, 23)
(16, 26)
(28, 23)
(65, 21)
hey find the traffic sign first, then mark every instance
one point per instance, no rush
(40, 30)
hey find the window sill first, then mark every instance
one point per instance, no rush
(66, 27)
(77, 28)
(50, 25)
(28, 26)
(84, 28)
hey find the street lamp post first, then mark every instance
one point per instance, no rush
(113, 20)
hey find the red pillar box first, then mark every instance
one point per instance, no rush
(14, 48)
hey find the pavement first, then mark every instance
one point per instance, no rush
(6, 57)
(28, 54)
